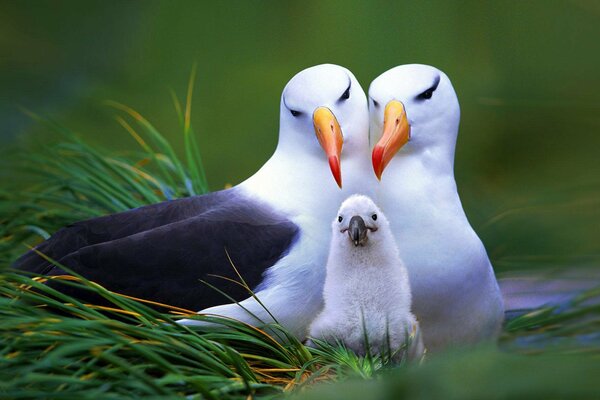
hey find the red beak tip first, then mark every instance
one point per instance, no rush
(334, 164)
(377, 158)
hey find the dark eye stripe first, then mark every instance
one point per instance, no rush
(346, 94)
(426, 95)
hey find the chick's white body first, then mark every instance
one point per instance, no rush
(367, 290)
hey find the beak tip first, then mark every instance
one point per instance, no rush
(378, 171)
(377, 159)
(334, 164)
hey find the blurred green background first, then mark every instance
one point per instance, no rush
(527, 75)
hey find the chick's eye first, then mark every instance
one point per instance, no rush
(295, 113)
(340, 218)
(426, 95)
(375, 103)
(374, 216)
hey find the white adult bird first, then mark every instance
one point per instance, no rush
(367, 293)
(414, 118)
(295, 182)
(274, 226)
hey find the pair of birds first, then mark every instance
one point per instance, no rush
(275, 226)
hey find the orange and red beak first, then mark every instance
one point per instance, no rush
(396, 132)
(330, 137)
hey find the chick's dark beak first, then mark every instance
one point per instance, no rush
(357, 230)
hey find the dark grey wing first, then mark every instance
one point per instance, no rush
(115, 226)
(166, 263)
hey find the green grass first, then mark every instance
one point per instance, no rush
(86, 351)
(476, 373)
(52, 343)
(573, 326)
(53, 346)
(72, 180)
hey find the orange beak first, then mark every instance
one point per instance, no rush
(396, 132)
(330, 137)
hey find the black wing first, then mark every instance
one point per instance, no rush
(162, 252)
(116, 226)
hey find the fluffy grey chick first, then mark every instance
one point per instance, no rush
(367, 292)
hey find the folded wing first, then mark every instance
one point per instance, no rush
(162, 252)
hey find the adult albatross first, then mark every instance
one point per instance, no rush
(414, 116)
(274, 225)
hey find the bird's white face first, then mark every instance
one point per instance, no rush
(413, 107)
(324, 113)
(358, 221)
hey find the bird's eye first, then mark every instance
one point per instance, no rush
(426, 95)
(375, 103)
(346, 94)
(374, 216)
(340, 218)
(295, 113)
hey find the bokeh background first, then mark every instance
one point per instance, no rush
(527, 75)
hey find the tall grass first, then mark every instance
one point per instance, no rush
(54, 346)
(52, 343)
(72, 180)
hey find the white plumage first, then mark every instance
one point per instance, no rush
(366, 289)
(455, 293)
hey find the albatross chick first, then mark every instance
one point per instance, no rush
(367, 293)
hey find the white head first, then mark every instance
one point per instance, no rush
(413, 109)
(359, 224)
(327, 101)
